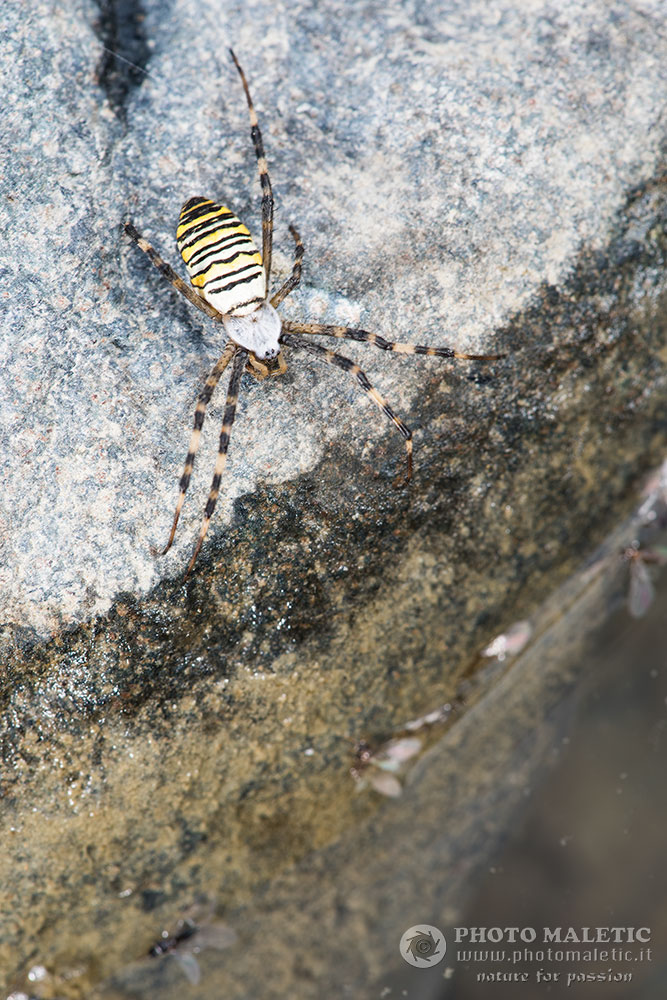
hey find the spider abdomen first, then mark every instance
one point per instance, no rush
(224, 264)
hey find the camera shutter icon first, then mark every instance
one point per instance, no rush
(423, 946)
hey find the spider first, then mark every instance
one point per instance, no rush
(229, 281)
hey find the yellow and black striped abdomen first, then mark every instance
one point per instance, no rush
(224, 264)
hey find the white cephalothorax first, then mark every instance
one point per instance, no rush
(257, 332)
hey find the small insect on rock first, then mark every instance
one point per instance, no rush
(196, 931)
(229, 283)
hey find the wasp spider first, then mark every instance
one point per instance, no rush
(229, 281)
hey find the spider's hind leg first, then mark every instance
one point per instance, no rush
(168, 272)
(267, 194)
(295, 277)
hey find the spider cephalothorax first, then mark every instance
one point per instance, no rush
(229, 283)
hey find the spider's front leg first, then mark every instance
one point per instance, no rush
(200, 413)
(340, 361)
(240, 358)
(398, 347)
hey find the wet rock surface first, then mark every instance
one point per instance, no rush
(494, 183)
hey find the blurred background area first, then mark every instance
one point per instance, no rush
(590, 849)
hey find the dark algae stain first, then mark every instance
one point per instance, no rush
(122, 66)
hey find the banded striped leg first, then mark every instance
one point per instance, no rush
(295, 276)
(168, 272)
(238, 366)
(267, 194)
(200, 412)
(349, 366)
(352, 333)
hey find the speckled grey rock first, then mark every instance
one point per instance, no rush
(441, 163)
(476, 175)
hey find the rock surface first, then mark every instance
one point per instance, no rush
(475, 175)
(441, 166)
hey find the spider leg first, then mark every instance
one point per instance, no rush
(240, 359)
(200, 412)
(168, 272)
(295, 276)
(331, 358)
(267, 194)
(352, 333)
